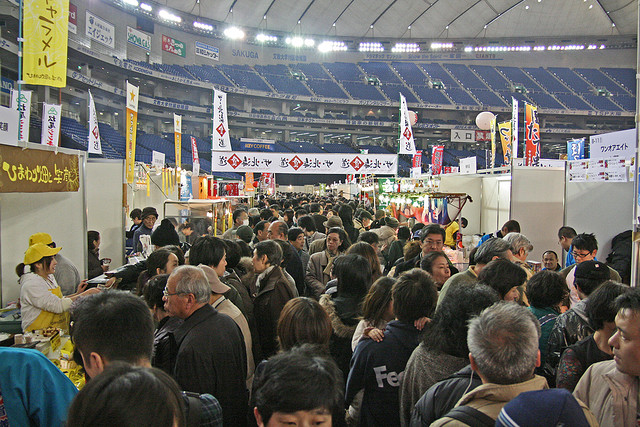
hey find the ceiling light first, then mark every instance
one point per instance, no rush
(371, 47)
(437, 45)
(309, 42)
(203, 26)
(332, 46)
(406, 47)
(168, 16)
(234, 33)
(131, 2)
(146, 7)
(526, 7)
(266, 38)
(294, 41)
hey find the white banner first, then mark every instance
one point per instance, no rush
(407, 145)
(458, 135)
(211, 52)
(468, 165)
(243, 161)
(221, 140)
(100, 30)
(94, 145)
(24, 110)
(621, 144)
(157, 159)
(138, 38)
(514, 128)
(51, 118)
(8, 126)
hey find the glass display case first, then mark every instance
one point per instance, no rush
(206, 216)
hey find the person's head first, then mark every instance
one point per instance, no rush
(337, 240)
(353, 273)
(135, 216)
(244, 233)
(600, 307)
(301, 386)
(111, 326)
(370, 254)
(266, 214)
(414, 296)
(493, 248)
(187, 290)
(565, 237)
(153, 293)
(411, 249)
(404, 233)
(240, 217)
(307, 224)
(550, 260)
(186, 228)
(503, 276)
(447, 331)
(149, 216)
(369, 237)
(303, 321)
(377, 306)
(511, 226)
(177, 252)
(266, 254)
(233, 253)
(585, 247)
(503, 344)
(93, 239)
(436, 264)
(589, 275)
(165, 234)
(278, 230)
(432, 238)
(296, 238)
(161, 261)
(520, 245)
(626, 340)
(287, 252)
(40, 259)
(128, 396)
(261, 230)
(245, 251)
(365, 218)
(210, 251)
(546, 289)
(345, 212)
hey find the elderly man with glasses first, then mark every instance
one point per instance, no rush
(585, 248)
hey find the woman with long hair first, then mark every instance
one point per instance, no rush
(96, 268)
(367, 251)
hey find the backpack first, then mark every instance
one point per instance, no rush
(193, 408)
(470, 416)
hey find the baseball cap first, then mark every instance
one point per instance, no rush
(217, 287)
(592, 270)
(244, 232)
(38, 251)
(44, 238)
(334, 221)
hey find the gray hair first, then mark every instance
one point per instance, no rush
(518, 241)
(493, 247)
(503, 341)
(191, 280)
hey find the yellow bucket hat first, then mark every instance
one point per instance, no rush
(44, 238)
(38, 251)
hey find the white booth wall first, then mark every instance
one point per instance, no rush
(61, 214)
(602, 208)
(496, 202)
(105, 213)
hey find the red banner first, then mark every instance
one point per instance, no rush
(194, 150)
(417, 159)
(436, 159)
(531, 136)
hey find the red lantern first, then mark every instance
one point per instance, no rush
(255, 184)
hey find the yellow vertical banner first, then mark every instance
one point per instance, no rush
(45, 29)
(177, 131)
(504, 129)
(164, 181)
(132, 124)
(148, 185)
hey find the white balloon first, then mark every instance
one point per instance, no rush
(413, 117)
(483, 120)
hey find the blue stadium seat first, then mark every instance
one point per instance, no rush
(410, 73)
(571, 79)
(380, 70)
(625, 77)
(598, 79)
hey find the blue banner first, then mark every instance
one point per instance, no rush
(7, 85)
(575, 149)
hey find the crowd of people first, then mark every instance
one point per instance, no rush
(322, 311)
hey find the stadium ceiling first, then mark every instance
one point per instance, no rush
(423, 19)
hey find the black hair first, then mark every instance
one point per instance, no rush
(271, 249)
(343, 236)
(115, 324)
(345, 212)
(154, 291)
(588, 286)
(232, 250)
(353, 273)
(92, 236)
(550, 252)
(157, 259)
(427, 261)
(416, 227)
(237, 213)
(414, 296)
(546, 289)
(260, 226)
(502, 275)
(307, 223)
(404, 233)
(135, 213)
(567, 232)
(447, 331)
(432, 229)
(177, 251)
(128, 396)
(293, 233)
(266, 214)
(46, 263)
(207, 250)
(245, 249)
(287, 252)
(585, 242)
(282, 227)
(629, 301)
(601, 305)
(301, 379)
(377, 300)
(369, 237)
(512, 226)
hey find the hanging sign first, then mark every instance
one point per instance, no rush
(138, 38)
(514, 128)
(24, 109)
(436, 159)
(203, 49)
(157, 160)
(177, 133)
(51, 117)
(614, 144)
(171, 45)
(493, 142)
(575, 149)
(8, 126)
(504, 129)
(95, 145)
(221, 140)
(407, 144)
(132, 125)
(417, 159)
(100, 30)
(468, 165)
(531, 135)
(73, 18)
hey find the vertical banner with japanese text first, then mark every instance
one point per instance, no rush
(177, 132)
(531, 135)
(51, 118)
(514, 128)
(195, 157)
(504, 129)
(221, 140)
(132, 124)
(407, 144)
(436, 159)
(575, 149)
(46, 29)
(248, 182)
(95, 146)
(493, 142)
(24, 109)
(417, 159)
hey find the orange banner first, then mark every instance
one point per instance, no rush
(132, 124)
(531, 136)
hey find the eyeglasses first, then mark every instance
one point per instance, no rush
(166, 292)
(579, 255)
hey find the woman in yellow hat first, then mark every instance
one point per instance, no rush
(40, 296)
